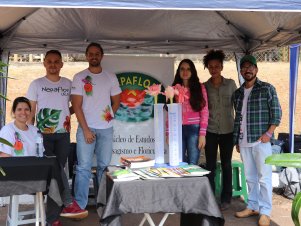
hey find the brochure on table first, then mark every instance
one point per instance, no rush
(152, 173)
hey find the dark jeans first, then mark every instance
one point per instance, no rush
(58, 144)
(190, 141)
(225, 143)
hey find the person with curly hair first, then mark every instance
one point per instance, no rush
(194, 111)
(220, 123)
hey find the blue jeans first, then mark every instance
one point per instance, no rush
(102, 147)
(258, 176)
(190, 142)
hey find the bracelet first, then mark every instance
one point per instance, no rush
(268, 134)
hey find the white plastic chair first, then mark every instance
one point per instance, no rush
(14, 217)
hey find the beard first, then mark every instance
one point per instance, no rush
(249, 77)
(94, 63)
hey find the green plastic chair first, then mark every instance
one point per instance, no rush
(239, 184)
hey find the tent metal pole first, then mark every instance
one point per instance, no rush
(235, 30)
(238, 56)
(294, 64)
(8, 34)
(3, 87)
(268, 38)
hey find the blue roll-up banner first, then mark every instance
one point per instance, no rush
(294, 63)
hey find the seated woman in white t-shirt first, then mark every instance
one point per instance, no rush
(18, 133)
(23, 138)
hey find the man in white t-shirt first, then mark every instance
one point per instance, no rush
(95, 98)
(258, 113)
(49, 98)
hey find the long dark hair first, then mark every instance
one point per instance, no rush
(196, 100)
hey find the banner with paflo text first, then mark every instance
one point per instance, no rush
(134, 120)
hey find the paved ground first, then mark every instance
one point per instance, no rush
(280, 216)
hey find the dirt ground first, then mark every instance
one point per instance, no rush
(274, 73)
(280, 216)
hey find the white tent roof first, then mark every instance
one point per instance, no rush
(262, 5)
(147, 26)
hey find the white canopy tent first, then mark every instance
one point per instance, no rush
(123, 30)
(146, 26)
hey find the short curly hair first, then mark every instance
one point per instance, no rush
(214, 55)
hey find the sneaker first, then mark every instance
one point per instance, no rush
(55, 223)
(74, 211)
(246, 213)
(264, 220)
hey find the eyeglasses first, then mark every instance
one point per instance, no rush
(251, 67)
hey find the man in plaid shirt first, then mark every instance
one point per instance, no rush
(258, 113)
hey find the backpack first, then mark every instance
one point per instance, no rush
(291, 179)
(285, 138)
(277, 146)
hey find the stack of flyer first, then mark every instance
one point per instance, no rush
(123, 175)
(148, 174)
(194, 171)
(171, 172)
(137, 162)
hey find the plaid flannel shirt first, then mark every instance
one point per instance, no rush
(263, 110)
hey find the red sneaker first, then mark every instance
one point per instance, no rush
(74, 211)
(55, 223)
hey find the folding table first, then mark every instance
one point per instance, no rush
(191, 195)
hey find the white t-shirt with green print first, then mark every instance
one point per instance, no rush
(96, 90)
(24, 142)
(53, 98)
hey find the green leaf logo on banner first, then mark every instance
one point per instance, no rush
(48, 120)
(136, 105)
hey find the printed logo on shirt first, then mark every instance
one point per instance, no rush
(18, 146)
(88, 87)
(61, 90)
(135, 104)
(107, 116)
(67, 124)
(48, 120)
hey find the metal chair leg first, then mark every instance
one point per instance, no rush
(42, 208)
(37, 209)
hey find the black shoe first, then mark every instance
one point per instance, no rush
(224, 206)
